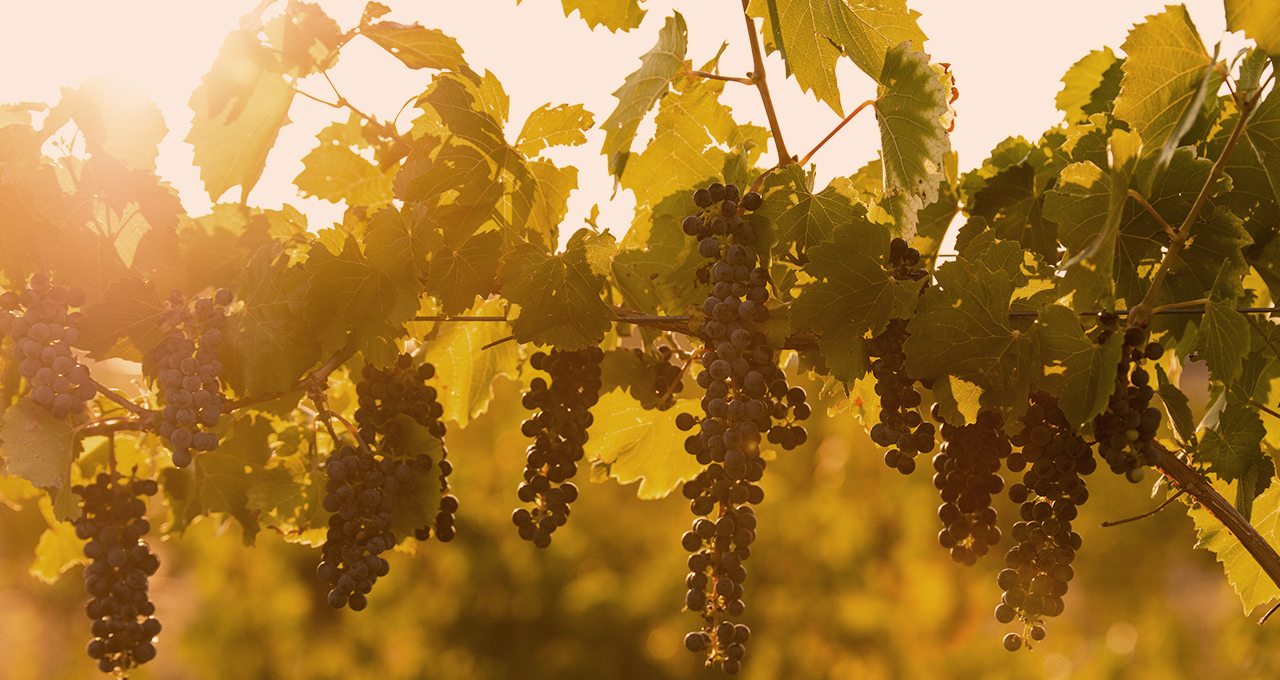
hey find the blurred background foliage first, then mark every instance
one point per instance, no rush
(846, 581)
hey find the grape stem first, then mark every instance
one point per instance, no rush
(836, 129)
(128, 405)
(1142, 311)
(1192, 482)
(1149, 513)
(717, 76)
(758, 76)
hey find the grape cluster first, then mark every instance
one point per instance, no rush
(402, 390)
(43, 328)
(967, 475)
(359, 497)
(559, 431)
(901, 428)
(113, 522)
(1038, 566)
(188, 373)
(667, 378)
(1126, 430)
(747, 399)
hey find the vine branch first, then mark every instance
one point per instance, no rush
(1187, 479)
(758, 76)
(838, 127)
(716, 76)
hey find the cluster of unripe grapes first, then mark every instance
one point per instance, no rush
(402, 390)
(1126, 430)
(747, 400)
(1054, 460)
(43, 329)
(967, 476)
(558, 427)
(187, 369)
(113, 522)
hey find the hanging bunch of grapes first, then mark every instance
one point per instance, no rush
(1126, 430)
(187, 371)
(386, 395)
(747, 401)
(901, 429)
(1055, 460)
(967, 475)
(558, 428)
(667, 380)
(113, 521)
(43, 328)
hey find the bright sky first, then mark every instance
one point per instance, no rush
(1007, 56)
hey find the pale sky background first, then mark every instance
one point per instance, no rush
(1008, 56)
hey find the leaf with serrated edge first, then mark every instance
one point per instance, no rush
(548, 126)
(466, 372)
(641, 444)
(1223, 339)
(1088, 377)
(1259, 19)
(1177, 406)
(1163, 69)
(913, 139)
(36, 446)
(59, 548)
(642, 89)
(559, 295)
(1081, 80)
(1234, 444)
(416, 46)
(1246, 577)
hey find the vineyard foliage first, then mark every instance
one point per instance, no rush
(1157, 196)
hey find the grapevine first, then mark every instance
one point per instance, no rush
(1102, 294)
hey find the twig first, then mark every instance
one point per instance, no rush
(128, 405)
(1142, 311)
(1168, 230)
(499, 341)
(1196, 305)
(671, 389)
(107, 427)
(837, 128)
(1264, 408)
(1270, 611)
(717, 76)
(1188, 479)
(1148, 513)
(459, 318)
(758, 75)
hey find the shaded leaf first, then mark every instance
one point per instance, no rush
(560, 295)
(913, 139)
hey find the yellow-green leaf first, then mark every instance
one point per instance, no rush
(464, 371)
(1250, 582)
(642, 89)
(59, 549)
(1259, 19)
(913, 138)
(636, 444)
(547, 126)
(416, 46)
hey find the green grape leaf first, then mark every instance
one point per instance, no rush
(239, 108)
(457, 275)
(38, 447)
(850, 296)
(463, 369)
(913, 138)
(548, 126)
(631, 443)
(400, 240)
(124, 323)
(1234, 444)
(962, 330)
(1081, 81)
(802, 218)
(116, 121)
(349, 295)
(416, 46)
(1246, 577)
(1164, 74)
(335, 172)
(470, 106)
(559, 295)
(1223, 339)
(221, 481)
(615, 15)
(642, 89)
(1177, 406)
(410, 511)
(1011, 206)
(813, 34)
(58, 550)
(1088, 376)
(1263, 135)
(1260, 21)
(271, 343)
